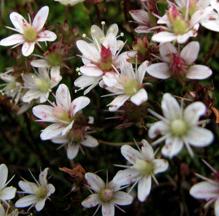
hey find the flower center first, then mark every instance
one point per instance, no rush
(145, 168)
(30, 34)
(106, 59)
(41, 192)
(178, 65)
(62, 115)
(106, 195)
(42, 85)
(131, 87)
(178, 127)
(54, 59)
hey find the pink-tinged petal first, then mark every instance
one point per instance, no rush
(28, 187)
(63, 97)
(140, 16)
(94, 181)
(172, 147)
(158, 128)
(51, 131)
(144, 188)
(205, 190)
(39, 63)
(18, 21)
(193, 112)
(130, 154)
(40, 204)
(44, 113)
(216, 207)
(141, 71)
(140, 97)
(160, 165)
(199, 137)
(142, 29)
(147, 150)
(91, 201)
(125, 177)
(7, 193)
(108, 209)
(72, 151)
(170, 107)
(92, 71)
(190, 52)
(166, 50)
(89, 51)
(122, 198)
(40, 18)
(117, 102)
(55, 75)
(12, 40)
(159, 70)
(26, 201)
(79, 104)
(199, 72)
(46, 36)
(4, 175)
(27, 49)
(89, 141)
(163, 37)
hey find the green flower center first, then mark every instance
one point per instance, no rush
(179, 26)
(54, 59)
(178, 127)
(42, 85)
(131, 87)
(42, 192)
(30, 34)
(145, 168)
(106, 195)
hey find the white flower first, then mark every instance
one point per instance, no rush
(100, 57)
(74, 140)
(6, 193)
(69, 2)
(143, 167)
(107, 195)
(39, 85)
(62, 114)
(128, 85)
(12, 88)
(29, 33)
(180, 126)
(38, 192)
(179, 65)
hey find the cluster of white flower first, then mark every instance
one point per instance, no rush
(105, 64)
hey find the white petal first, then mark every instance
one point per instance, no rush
(170, 107)
(18, 21)
(147, 150)
(40, 204)
(43, 177)
(212, 25)
(200, 137)
(28, 187)
(55, 75)
(86, 81)
(163, 37)
(166, 49)
(144, 188)
(91, 201)
(12, 40)
(216, 207)
(97, 33)
(44, 113)
(156, 129)
(108, 209)
(113, 29)
(130, 154)
(92, 71)
(27, 48)
(140, 97)
(110, 79)
(26, 201)
(46, 36)
(194, 111)
(204, 190)
(199, 72)
(51, 131)
(190, 52)
(160, 165)
(94, 181)
(159, 70)
(140, 16)
(63, 97)
(141, 71)
(40, 18)
(7, 193)
(39, 63)
(32, 95)
(79, 104)
(122, 198)
(117, 102)
(172, 147)
(72, 151)
(89, 141)
(3, 175)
